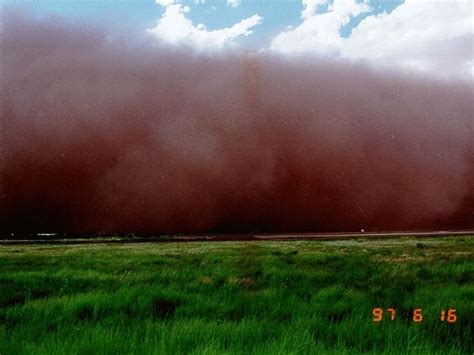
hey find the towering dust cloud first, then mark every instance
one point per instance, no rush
(104, 135)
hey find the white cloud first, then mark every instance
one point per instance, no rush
(165, 2)
(233, 3)
(175, 28)
(319, 32)
(430, 36)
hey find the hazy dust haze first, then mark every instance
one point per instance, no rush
(104, 135)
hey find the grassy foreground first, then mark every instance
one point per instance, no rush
(305, 297)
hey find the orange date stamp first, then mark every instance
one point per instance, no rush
(417, 316)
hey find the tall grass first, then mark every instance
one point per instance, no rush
(236, 297)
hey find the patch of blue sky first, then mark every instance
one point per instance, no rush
(142, 13)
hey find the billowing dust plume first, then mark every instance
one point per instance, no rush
(108, 135)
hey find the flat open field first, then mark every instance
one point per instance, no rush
(247, 297)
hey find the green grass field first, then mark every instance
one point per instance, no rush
(308, 297)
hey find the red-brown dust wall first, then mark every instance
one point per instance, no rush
(103, 136)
